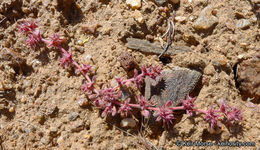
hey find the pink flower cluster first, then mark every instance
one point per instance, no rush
(109, 99)
(34, 39)
(226, 113)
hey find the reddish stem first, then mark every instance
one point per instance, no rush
(200, 111)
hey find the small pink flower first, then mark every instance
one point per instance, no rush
(234, 115)
(125, 108)
(66, 59)
(98, 102)
(144, 104)
(34, 38)
(166, 114)
(88, 87)
(224, 107)
(27, 26)
(120, 81)
(109, 110)
(55, 40)
(152, 71)
(85, 68)
(138, 79)
(110, 94)
(212, 118)
(188, 104)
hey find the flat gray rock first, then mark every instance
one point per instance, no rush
(145, 46)
(173, 85)
(243, 24)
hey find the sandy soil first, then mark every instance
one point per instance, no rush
(38, 97)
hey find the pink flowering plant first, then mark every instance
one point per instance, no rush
(109, 99)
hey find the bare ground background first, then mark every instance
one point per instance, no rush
(38, 98)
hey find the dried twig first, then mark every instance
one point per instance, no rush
(3, 19)
(170, 32)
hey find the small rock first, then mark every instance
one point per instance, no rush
(248, 77)
(113, 83)
(27, 84)
(106, 29)
(11, 109)
(134, 4)
(160, 2)
(180, 19)
(23, 99)
(230, 25)
(83, 102)
(127, 61)
(243, 45)
(60, 141)
(126, 93)
(175, 1)
(27, 131)
(43, 141)
(77, 126)
(225, 135)
(73, 116)
(206, 20)
(149, 37)
(53, 111)
(53, 131)
(243, 24)
(138, 16)
(88, 137)
(90, 28)
(88, 57)
(41, 117)
(128, 122)
(214, 12)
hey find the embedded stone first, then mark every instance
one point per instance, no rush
(160, 2)
(128, 122)
(206, 20)
(243, 24)
(175, 1)
(134, 4)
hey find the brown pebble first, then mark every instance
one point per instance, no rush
(127, 61)
(83, 102)
(90, 28)
(243, 45)
(11, 109)
(214, 12)
(113, 47)
(149, 37)
(41, 118)
(163, 9)
(88, 137)
(23, 100)
(77, 126)
(225, 136)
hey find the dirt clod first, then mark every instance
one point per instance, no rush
(127, 61)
